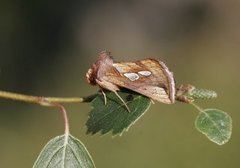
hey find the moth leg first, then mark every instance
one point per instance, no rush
(113, 88)
(122, 100)
(108, 86)
(152, 101)
(104, 97)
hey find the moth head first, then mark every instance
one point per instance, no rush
(91, 75)
(103, 62)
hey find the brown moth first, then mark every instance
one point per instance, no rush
(148, 77)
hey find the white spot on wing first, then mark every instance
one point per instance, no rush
(131, 76)
(118, 68)
(145, 73)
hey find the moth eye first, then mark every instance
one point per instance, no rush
(131, 76)
(145, 73)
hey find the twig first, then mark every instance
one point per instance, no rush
(44, 101)
(49, 102)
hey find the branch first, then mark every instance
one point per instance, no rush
(44, 101)
(49, 102)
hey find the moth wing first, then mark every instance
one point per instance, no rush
(158, 74)
(154, 92)
(147, 77)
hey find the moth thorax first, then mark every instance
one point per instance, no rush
(103, 55)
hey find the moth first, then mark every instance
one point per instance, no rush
(148, 77)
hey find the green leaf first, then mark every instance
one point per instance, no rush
(64, 151)
(114, 116)
(215, 124)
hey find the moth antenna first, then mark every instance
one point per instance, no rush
(122, 101)
(104, 97)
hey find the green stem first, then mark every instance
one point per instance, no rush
(197, 107)
(49, 102)
(44, 101)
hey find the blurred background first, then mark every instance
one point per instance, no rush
(46, 47)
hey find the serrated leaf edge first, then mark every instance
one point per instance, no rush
(132, 123)
(120, 106)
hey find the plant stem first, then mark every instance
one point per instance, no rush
(197, 107)
(49, 102)
(44, 101)
(65, 117)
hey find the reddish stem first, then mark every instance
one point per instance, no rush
(65, 117)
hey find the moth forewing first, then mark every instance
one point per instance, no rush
(148, 77)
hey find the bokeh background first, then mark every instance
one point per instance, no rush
(46, 47)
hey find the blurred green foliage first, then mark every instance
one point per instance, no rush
(47, 47)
